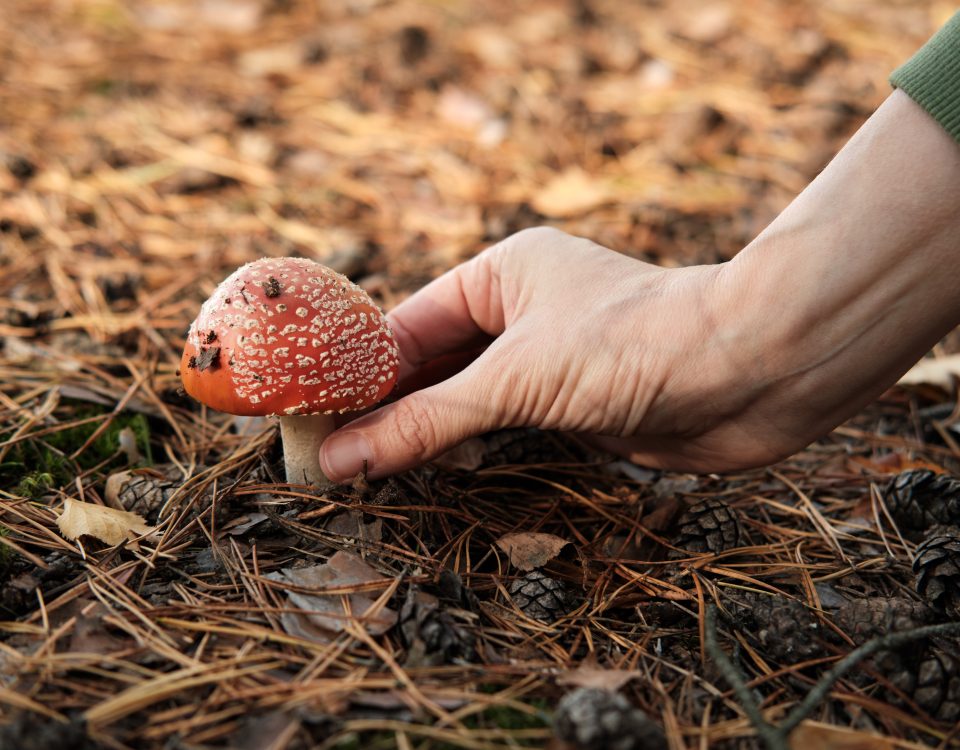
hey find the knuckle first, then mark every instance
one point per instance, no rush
(415, 429)
(535, 236)
(523, 246)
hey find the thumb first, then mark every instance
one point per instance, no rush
(414, 429)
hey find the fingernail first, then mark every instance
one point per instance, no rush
(342, 456)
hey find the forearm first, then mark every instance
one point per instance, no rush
(860, 275)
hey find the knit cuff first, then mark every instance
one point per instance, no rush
(932, 77)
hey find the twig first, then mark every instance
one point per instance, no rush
(771, 736)
(890, 641)
(776, 737)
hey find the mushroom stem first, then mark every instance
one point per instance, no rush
(302, 436)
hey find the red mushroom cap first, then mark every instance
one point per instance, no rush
(289, 336)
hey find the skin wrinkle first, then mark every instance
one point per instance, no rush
(499, 303)
(483, 276)
(414, 420)
(510, 392)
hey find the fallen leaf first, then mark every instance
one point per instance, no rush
(106, 524)
(588, 676)
(463, 108)
(623, 546)
(324, 608)
(350, 524)
(706, 25)
(942, 372)
(243, 524)
(663, 514)
(236, 16)
(825, 737)
(530, 550)
(570, 193)
(280, 58)
(300, 626)
(266, 730)
(829, 597)
(250, 425)
(209, 358)
(90, 634)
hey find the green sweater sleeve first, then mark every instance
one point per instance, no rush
(932, 77)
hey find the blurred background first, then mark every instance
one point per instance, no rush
(148, 148)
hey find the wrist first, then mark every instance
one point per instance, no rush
(857, 278)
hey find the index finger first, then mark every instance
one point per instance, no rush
(452, 313)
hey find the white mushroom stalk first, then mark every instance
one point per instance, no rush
(302, 437)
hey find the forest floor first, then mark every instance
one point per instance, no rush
(148, 148)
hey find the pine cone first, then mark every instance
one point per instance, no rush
(919, 498)
(863, 619)
(595, 719)
(709, 526)
(523, 446)
(937, 568)
(143, 492)
(938, 685)
(434, 635)
(787, 630)
(540, 597)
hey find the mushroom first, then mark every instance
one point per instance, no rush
(291, 338)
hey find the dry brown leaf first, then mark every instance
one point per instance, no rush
(89, 634)
(942, 372)
(461, 107)
(570, 193)
(350, 524)
(235, 16)
(326, 610)
(592, 676)
(825, 737)
(663, 514)
(530, 550)
(243, 524)
(106, 524)
(279, 58)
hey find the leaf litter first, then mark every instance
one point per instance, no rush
(324, 595)
(109, 525)
(148, 148)
(529, 550)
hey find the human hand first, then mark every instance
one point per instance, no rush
(581, 339)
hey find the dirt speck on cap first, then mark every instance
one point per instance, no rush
(209, 358)
(271, 287)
